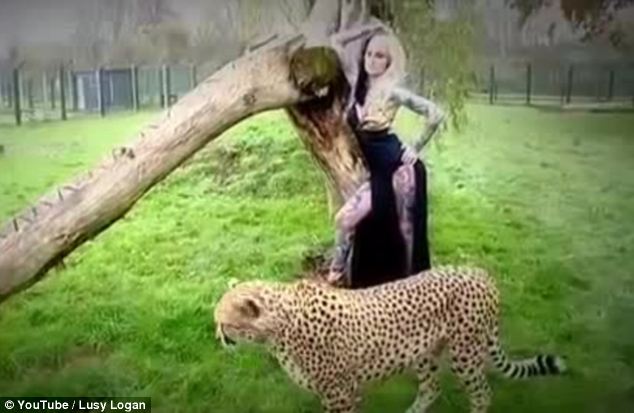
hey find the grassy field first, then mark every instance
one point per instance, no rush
(543, 199)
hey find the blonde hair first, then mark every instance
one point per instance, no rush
(395, 71)
(379, 107)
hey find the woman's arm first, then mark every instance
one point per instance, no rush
(346, 36)
(349, 54)
(424, 107)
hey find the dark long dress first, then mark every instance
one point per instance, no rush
(378, 252)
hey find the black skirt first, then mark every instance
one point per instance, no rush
(379, 252)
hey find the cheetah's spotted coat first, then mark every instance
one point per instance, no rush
(332, 340)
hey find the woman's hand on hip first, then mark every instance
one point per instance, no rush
(409, 156)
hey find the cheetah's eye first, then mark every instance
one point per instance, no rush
(250, 309)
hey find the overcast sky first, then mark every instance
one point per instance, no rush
(27, 22)
(41, 21)
(34, 21)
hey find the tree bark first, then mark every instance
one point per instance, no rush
(321, 123)
(280, 75)
(322, 128)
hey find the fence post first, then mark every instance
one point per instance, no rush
(160, 86)
(29, 93)
(10, 90)
(16, 96)
(23, 91)
(7, 91)
(62, 91)
(611, 85)
(3, 85)
(166, 86)
(193, 79)
(3, 90)
(570, 81)
(44, 89)
(69, 86)
(529, 82)
(562, 86)
(134, 71)
(100, 92)
(491, 84)
(51, 83)
(73, 90)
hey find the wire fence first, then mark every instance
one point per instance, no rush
(35, 95)
(32, 95)
(592, 84)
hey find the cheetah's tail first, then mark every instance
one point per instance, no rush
(539, 365)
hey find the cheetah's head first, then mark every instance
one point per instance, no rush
(248, 312)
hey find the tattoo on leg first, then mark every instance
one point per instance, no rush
(343, 246)
(355, 209)
(404, 188)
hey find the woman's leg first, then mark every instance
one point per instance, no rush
(353, 211)
(404, 181)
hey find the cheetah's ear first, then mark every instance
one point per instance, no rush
(232, 282)
(250, 308)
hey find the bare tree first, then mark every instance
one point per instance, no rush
(595, 17)
(169, 41)
(15, 57)
(214, 42)
(110, 30)
(89, 38)
(152, 12)
(251, 20)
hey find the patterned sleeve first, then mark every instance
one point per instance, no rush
(416, 102)
(424, 107)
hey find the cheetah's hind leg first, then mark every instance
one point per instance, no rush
(468, 362)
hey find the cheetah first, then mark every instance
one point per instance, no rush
(332, 340)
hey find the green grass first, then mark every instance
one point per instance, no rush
(542, 199)
(39, 155)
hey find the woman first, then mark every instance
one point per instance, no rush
(384, 224)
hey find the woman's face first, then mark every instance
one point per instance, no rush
(377, 58)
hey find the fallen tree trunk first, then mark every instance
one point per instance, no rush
(40, 236)
(283, 74)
